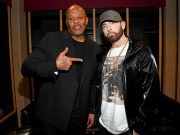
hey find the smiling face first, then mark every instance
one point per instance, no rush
(76, 21)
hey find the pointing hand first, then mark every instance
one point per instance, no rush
(64, 62)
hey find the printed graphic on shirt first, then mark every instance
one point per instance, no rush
(112, 80)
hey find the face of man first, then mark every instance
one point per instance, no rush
(76, 20)
(113, 31)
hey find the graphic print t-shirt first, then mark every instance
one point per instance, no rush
(113, 116)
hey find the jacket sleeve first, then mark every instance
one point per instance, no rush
(148, 80)
(37, 63)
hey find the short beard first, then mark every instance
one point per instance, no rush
(116, 36)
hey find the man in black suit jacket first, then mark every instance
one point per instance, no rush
(66, 63)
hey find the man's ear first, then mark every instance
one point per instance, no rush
(123, 25)
(87, 19)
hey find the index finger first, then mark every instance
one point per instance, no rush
(76, 60)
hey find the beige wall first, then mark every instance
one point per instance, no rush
(19, 47)
(178, 85)
(170, 86)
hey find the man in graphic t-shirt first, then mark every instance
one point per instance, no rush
(129, 81)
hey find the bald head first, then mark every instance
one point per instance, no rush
(75, 7)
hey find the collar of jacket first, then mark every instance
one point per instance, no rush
(134, 47)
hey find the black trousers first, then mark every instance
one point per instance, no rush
(46, 129)
(75, 127)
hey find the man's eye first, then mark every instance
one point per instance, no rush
(80, 17)
(70, 19)
(104, 26)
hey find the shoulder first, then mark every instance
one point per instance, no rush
(52, 40)
(54, 36)
(140, 49)
(145, 54)
(136, 44)
(57, 34)
(90, 41)
(93, 45)
(51, 36)
(139, 46)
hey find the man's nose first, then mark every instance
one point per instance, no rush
(76, 20)
(109, 28)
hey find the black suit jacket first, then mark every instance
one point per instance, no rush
(57, 94)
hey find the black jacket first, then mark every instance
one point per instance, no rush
(141, 86)
(57, 93)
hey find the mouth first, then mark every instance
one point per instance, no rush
(77, 27)
(110, 35)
